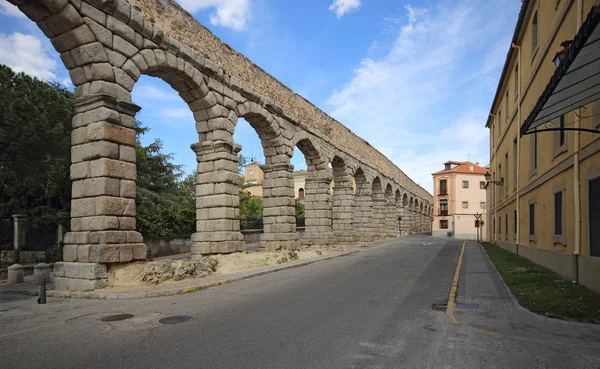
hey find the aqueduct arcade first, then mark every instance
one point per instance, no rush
(108, 44)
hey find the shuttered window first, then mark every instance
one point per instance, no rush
(594, 206)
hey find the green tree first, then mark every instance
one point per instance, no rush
(165, 203)
(250, 206)
(35, 144)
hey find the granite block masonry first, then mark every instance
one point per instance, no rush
(108, 45)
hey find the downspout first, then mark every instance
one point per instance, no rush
(576, 197)
(492, 237)
(517, 227)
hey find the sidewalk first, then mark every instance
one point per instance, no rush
(179, 287)
(483, 302)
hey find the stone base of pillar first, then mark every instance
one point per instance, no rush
(113, 246)
(79, 276)
(207, 243)
(317, 239)
(278, 241)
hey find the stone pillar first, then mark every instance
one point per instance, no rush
(317, 209)
(19, 227)
(279, 214)
(391, 219)
(363, 214)
(217, 199)
(342, 209)
(400, 219)
(378, 222)
(103, 174)
(411, 220)
(63, 217)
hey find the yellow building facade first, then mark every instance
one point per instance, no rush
(546, 207)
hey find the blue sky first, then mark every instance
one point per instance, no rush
(413, 78)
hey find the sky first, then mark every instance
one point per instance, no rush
(415, 78)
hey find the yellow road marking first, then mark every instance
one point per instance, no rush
(454, 288)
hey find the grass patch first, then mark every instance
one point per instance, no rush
(542, 291)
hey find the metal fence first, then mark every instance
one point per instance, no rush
(38, 237)
(6, 234)
(251, 223)
(257, 223)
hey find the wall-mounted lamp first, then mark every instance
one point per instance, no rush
(560, 56)
(488, 176)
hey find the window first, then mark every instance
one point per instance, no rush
(482, 185)
(534, 34)
(515, 220)
(443, 207)
(533, 153)
(500, 225)
(594, 215)
(515, 164)
(443, 224)
(558, 215)
(499, 124)
(447, 167)
(465, 184)
(500, 188)
(506, 181)
(301, 194)
(506, 226)
(532, 221)
(465, 205)
(559, 137)
(443, 187)
(516, 86)
(482, 205)
(506, 105)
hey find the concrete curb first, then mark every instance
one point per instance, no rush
(179, 291)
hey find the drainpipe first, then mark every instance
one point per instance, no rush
(492, 236)
(576, 198)
(517, 227)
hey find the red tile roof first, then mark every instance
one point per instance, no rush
(464, 168)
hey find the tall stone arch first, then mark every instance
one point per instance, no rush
(343, 201)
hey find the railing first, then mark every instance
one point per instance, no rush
(257, 223)
(251, 223)
(443, 193)
(443, 212)
(6, 234)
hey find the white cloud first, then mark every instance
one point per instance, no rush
(228, 13)
(419, 103)
(27, 54)
(11, 10)
(341, 7)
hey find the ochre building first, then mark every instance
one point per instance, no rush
(544, 141)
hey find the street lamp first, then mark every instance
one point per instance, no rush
(560, 56)
(488, 176)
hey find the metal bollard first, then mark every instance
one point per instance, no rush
(42, 298)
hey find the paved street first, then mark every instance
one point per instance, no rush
(367, 310)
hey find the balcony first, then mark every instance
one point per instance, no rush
(443, 193)
(443, 213)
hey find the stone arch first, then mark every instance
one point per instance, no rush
(376, 186)
(267, 128)
(311, 151)
(405, 200)
(361, 180)
(389, 192)
(398, 197)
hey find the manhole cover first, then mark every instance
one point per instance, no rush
(177, 319)
(116, 318)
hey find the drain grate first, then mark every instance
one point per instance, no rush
(176, 319)
(440, 307)
(116, 318)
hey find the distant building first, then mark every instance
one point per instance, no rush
(254, 176)
(458, 194)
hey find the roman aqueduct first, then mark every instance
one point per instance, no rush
(108, 44)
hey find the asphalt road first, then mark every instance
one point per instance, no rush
(367, 310)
